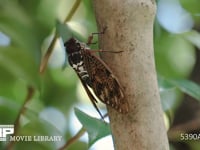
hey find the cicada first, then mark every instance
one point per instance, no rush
(95, 75)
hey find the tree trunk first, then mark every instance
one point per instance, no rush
(130, 28)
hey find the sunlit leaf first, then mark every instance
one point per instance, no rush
(168, 90)
(96, 128)
(193, 37)
(64, 31)
(173, 17)
(50, 112)
(188, 87)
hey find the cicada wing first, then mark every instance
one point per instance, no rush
(104, 84)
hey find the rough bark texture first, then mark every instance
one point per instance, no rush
(130, 28)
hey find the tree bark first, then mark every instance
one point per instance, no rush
(130, 28)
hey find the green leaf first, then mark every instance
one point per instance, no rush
(175, 56)
(188, 87)
(193, 7)
(164, 84)
(193, 37)
(14, 26)
(96, 128)
(8, 110)
(42, 14)
(63, 31)
(20, 64)
(169, 94)
(168, 98)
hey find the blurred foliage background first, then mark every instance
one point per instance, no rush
(46, 101)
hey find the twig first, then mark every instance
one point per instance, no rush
(76, 137)
(48, 54)
(73, 139)
(51, 46)
(21, 112)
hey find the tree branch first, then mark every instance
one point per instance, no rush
(130, 28)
